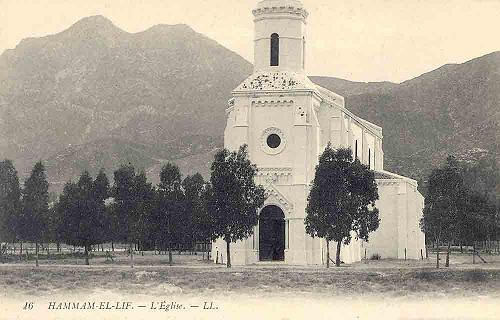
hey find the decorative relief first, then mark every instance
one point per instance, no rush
(275, 175)
(282, 9)
(265, 137)
(230, 108)
(229, 113)
(276, 197)
(273, 103)
(383, 182)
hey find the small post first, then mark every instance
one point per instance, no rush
(405, 253)
(365, 253)
(421, 254)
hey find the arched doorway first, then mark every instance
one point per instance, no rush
(272, 234)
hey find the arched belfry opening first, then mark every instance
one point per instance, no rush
(272, 234)
(275, 50)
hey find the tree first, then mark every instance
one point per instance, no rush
(444, 205)
(133, 203)
(482, 177)
(234, 198)
(102, 193)
(171, 208)
(204, 220)
(195, 215)
(10, 202)
(82, 212)
(35, 207)
(478, 220)
(51, 226)
(100, 189)
(341, 200)
(145, 206)
(123, 206)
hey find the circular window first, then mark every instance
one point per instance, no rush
(273, 141)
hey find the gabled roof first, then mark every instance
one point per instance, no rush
(286, 81)
(330, 96)
(382, 175)
(386, 175)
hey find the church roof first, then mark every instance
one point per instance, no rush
(384, 175)
(280, 3)
(336, 99)
(276, 81)
(330, 95)
(283, 81)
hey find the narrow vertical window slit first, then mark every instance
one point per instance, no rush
(275, 50)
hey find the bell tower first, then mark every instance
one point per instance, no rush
(280, 36)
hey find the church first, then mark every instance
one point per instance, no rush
(286, 120)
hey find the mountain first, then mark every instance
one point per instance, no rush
(96, 96)
(451, 110)
(348, 88)
(66, 93)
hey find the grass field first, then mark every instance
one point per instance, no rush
(190, 274)
(393, 283)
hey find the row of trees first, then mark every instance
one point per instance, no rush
(24, 213)
(182, 211)
(133, 211)
(175, 212)
(461, 206)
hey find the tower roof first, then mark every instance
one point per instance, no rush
(280, 6)
(279, 3)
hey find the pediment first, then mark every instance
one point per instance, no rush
(274, 196)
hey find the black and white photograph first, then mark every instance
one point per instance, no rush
(249, 159)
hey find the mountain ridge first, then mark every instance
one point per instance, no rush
(164, 91)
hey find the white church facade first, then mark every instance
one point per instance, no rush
(286, 120)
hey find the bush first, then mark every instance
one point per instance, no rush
(375, 256)
(475, 276)
(428, 275)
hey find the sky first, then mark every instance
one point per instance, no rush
(359, 40)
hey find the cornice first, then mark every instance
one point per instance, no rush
(290, 10)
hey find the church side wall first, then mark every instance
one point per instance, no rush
(384, 241)
(341, 130)
(416, 243)
(400, 209)
(369, 150)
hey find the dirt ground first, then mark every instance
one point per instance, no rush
(193, 274)
(386, 284)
